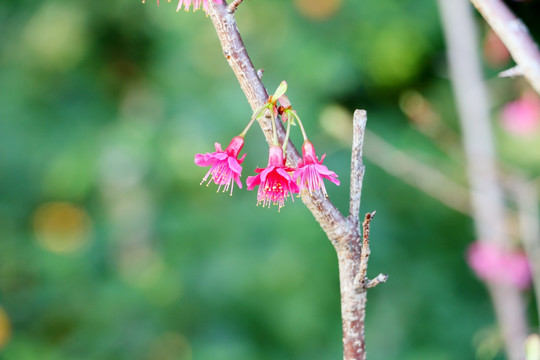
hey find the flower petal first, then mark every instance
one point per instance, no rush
(234, 166)
(204, 159)
(253, 181)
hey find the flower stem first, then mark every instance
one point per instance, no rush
(253, 118)
(276, 142)
(300, 123)
(287, 134)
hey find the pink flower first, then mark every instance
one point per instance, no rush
(522, 116)
(493, 264)
(224, 165)
(274, 182)
(311, 171)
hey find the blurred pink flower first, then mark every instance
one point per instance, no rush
(522, 116)
(493, 264)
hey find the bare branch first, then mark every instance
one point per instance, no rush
(515, 35)
(381, 278)
(232, 7)
(361, 276)
(357, 165)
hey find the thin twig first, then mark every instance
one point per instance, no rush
(364, 258)
(357, 165)
(362, 283)
(232, 6)
(515, 35)
(381, 278)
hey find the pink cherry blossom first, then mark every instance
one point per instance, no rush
(493, 264)
(311, 172)
(224, 165)
(522, 116)
(275, 184)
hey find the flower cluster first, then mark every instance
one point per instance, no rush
(277, 180)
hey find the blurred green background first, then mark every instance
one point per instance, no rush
(110, 249)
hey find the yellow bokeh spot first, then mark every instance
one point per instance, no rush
(5, 328)
(61, 227)
(318, 9)
(170, 346)
(56, 36)
(532, 347)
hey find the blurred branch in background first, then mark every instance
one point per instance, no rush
(413, 172)
(486, 193)
(429, 122)
(515, 35)
(526, 198)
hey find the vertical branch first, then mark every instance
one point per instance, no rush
(357, 164)
(353, 255)
(353, 263)
(353, 302)
(515, 35)
(486, 193)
